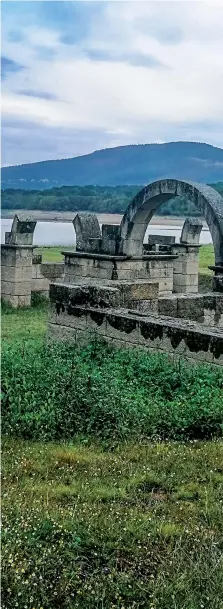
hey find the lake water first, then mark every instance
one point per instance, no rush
(62, 233)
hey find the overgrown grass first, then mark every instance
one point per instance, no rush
(61, 391)
(137, 527)
(23, 324)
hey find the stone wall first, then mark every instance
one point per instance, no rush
(77, 314)
(43, 273)
(204, 308)
(83, 267)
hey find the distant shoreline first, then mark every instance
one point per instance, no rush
(104, 218)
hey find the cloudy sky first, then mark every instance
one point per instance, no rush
(80, 76)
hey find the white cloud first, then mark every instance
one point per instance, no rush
(116, 97)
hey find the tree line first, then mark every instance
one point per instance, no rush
(100, 199)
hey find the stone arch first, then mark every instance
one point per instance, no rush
(140, 211)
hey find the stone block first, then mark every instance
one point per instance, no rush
(17, 301)
(185, 280)
(94, 295)
(161, 240)
(15, 274)
(129, 275)
(191, 308)
(72, 261)
(168, 306)
(129, 265)
(145, 306)
(110, 239)
(100, 273)
(52, 270)
(15, 288)
(40, 285)
(190, 268)
(8, 256)
(137, 291)
(165, 286)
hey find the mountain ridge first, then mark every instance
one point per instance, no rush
(122, 165)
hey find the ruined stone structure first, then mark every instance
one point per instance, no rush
(22, 272)
(127, 291)
(143, 295)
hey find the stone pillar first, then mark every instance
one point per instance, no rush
(185, 269)
(88, 234)
(186, 266)
(16, 263)
(16, 275)
(110, 239)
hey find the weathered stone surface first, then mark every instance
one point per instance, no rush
(141, 209)
(87, 228)
(15, 289)
(161, 240)
(191, 231)
(91, 295)
(52, 270)
(110, 239)
(22, 231)
(178, 338)
(17, 301)
(204, 308)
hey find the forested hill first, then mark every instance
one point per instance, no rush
(136, 164)
(90, 198)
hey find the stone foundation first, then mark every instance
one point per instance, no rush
(78, 313)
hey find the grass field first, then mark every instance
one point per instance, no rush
(139, 525)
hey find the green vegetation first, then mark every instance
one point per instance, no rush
(62, 391)
(206, 259)
(103, 517)
(53, 254)
(91, 198)
(140, 526)
(19, 325)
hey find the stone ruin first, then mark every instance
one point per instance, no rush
(129, 292)
(22, 271)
